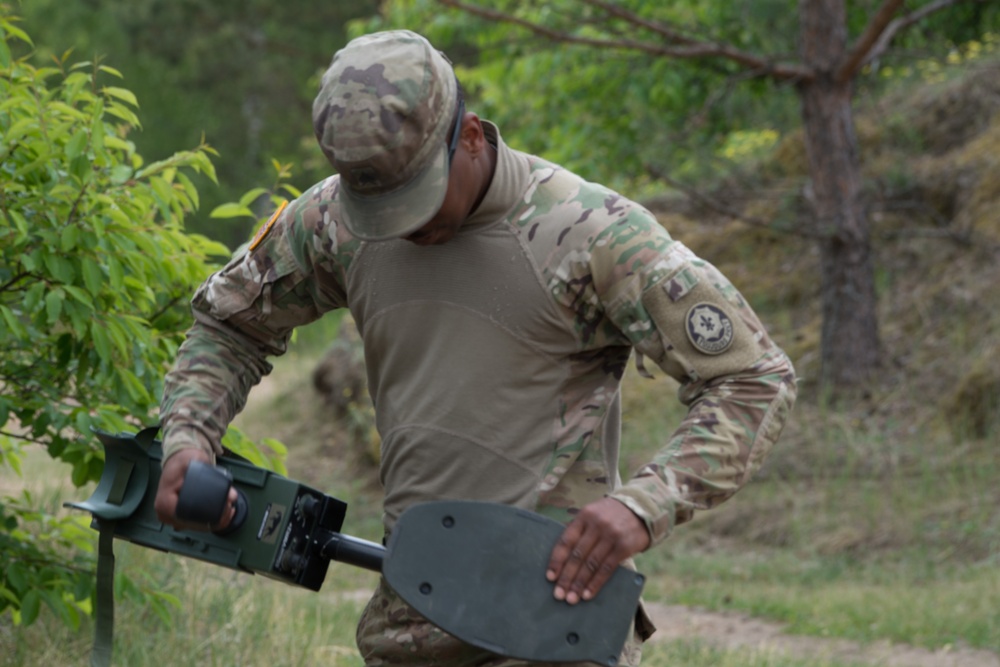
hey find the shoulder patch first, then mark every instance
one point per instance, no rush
(266, 227)
(709, 328)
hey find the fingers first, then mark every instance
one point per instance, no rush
(591, 548)
(589, 563)
(172, 479)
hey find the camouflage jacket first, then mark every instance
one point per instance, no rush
(495, 360)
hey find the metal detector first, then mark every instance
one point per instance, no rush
(476, 570)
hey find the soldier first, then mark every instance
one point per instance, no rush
(499, 298)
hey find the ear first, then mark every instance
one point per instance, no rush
(472, 137)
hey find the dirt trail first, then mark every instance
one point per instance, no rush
(730, 631)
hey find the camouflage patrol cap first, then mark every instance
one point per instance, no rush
(382, 117)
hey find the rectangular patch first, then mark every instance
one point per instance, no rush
(680, 284)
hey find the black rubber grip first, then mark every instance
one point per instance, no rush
(204, 494)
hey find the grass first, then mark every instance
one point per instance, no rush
(911, 603)
(866, 524)
(860, 543)
(699, 654)
(225, 619)
(905, 549)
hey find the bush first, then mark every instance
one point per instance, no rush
(96, 271)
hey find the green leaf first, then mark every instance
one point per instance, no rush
(118, 216)
(14, 31)
(34, 296)
(118, 337)
(121, 173)
(13, 325)
(77, 144)
(80, 473)
(119, 144)
(205, 166)
(83, 587)
(30, 606)
(32, 261)
(291, 190)
(101, 342)
(189, 188)
(133, 386)
(97, 137)
(123, 113)
(93, 278)
(69, 238)
(80, 295)
(122, 94)
(251, 196)
(116, 273)
(59, 267)
(17, 576)
(8, 595)
(4, 54)
(232, 210)
(54, 304)
(19, 222)
(82, 168)
(276, 446)
(111, 70)
(66, 612)
(13, 459)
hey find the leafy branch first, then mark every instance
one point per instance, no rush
(688, 48)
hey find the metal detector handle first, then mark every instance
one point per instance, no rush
(203, 496)
(353, 551)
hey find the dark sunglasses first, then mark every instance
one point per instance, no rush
(457, 131)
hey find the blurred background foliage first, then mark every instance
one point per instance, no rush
(623, 116)
(243, 73)
(239, 73)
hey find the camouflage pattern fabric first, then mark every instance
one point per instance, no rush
(383, 126)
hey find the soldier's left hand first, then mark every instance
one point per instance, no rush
(603, 534)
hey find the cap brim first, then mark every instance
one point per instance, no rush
(401, 212)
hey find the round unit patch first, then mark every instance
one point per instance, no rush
(709, 329)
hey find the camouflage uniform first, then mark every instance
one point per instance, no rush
(495, 360)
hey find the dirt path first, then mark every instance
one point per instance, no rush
(729, 631)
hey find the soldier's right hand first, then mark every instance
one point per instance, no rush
(171, 480)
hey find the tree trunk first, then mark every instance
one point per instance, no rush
(849, 344)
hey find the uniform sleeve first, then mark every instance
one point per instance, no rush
(683, 314)
(288, 276)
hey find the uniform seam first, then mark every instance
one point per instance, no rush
(409, 426)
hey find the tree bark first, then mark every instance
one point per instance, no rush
(849, 344)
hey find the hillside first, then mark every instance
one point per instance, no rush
(931, 160)
(932, 164)
(873, 521)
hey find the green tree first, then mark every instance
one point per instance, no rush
(96, 271)
(638, 89)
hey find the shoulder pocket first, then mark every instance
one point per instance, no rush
(244, 282)
(703, 333)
